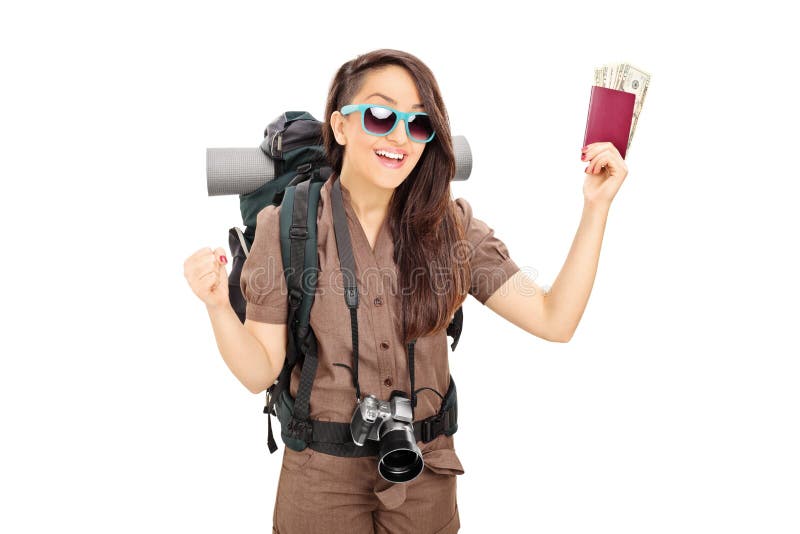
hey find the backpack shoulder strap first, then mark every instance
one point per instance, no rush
(298, 234)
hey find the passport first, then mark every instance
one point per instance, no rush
(610, 117)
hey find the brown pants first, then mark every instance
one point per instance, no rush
(318, 492)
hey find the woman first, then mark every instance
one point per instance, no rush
(418, 253)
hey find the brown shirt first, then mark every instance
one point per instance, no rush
(383, 363)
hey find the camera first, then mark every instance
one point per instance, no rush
(390, 424)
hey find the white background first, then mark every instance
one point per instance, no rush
(673, 409)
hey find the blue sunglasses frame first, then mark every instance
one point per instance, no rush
(398, 116)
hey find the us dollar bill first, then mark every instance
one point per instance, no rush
(628, 78)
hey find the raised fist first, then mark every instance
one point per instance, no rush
(205, 271)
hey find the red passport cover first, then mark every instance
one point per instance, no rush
(610, 117)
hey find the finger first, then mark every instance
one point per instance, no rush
(211, 260)
(604, 162)
(593, 149)
(596, 162)
(222, 260)
(198, 265)
(192, 261)
(206, 261)
(613, 149)
(601, 162)
(219, 256)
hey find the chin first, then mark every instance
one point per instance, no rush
(387, 179)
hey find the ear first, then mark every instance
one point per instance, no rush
(337, 126)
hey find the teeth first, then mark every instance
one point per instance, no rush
(389, 154)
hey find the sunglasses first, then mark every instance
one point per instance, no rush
(382, 120)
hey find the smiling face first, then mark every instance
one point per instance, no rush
(392, 86)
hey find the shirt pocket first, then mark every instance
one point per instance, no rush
(329, 312)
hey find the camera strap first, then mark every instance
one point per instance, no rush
(347, 263)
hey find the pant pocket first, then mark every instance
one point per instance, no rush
(296, 461)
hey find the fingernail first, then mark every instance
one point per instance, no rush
(583, 157)
(586, 169)
(223, 259)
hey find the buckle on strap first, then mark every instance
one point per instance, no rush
(431, 427)
(295, 296)
(298, 232)
(269, 406)
(300, 429)
(351, 296)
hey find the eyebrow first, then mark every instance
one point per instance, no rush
(392, 101)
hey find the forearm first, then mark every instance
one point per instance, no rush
(570, 291)
(244, 355)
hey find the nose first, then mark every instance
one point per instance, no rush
(399, 135)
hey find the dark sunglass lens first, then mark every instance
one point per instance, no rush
(420, 127)
(379, 120)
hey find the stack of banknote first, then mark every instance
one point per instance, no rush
(625, 77)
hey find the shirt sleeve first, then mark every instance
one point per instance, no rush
(490, 261)
(262, 280)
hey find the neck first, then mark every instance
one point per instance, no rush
(369, 202)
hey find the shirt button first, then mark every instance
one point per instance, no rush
(388, 382)
(378, 301)
(384, 345)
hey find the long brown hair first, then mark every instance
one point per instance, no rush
(433, 275)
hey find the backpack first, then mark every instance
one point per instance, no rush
(293, 141)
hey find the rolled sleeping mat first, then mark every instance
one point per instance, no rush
(238, 171)
(463, 157)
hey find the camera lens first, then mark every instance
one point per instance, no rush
(397, 461)
(400, 458)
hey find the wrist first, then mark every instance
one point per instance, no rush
(216, 309)
(598, 206)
